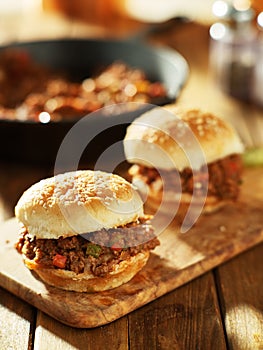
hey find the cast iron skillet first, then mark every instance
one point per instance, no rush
(38, 143)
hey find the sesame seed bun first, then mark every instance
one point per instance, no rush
(78, 202)
(166, 138)
(172, 139)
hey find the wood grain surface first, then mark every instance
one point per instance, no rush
(180, 258)
(241, 304)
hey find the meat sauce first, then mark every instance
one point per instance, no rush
(28, 89)
(96, 252)
(223, 176)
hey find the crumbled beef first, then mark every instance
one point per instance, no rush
(28, 88)
(97, 252)
(223, 176)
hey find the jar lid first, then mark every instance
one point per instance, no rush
(228, 12)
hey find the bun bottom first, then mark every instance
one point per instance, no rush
(87, 282)
(207, 205)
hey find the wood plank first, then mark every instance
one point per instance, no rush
(179, 259)
(54, 335)
(240, 284)
(187, 318)
(17, 322)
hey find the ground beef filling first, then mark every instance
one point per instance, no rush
(224, 178)
(96, 252)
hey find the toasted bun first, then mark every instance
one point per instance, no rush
(87, 282)
(208, 205)
(78, 202)
(166, 138)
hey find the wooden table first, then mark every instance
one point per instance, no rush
(221, 309)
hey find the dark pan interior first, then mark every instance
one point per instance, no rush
(38, 143)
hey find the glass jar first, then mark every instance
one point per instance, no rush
(233, 51)
(258, 73)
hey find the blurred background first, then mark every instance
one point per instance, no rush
(26, 19)
(235, 29)
(222, 41)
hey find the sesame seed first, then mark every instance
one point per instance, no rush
(222, 228)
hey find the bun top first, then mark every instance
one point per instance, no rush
(168, 137)
(78, 202)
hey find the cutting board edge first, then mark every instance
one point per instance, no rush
(43, 303)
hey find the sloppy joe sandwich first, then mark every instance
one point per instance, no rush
(204, 153)
(84, 231)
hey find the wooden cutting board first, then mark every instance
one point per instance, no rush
(180, 258)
